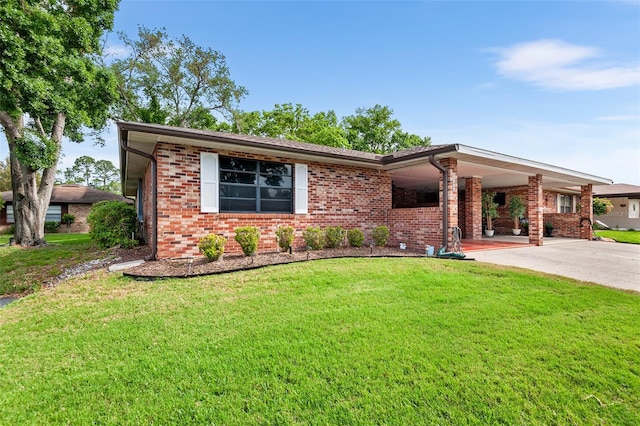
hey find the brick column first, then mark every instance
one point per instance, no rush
(473, 208)
(451, 164)
(586, 211)
(535, 207)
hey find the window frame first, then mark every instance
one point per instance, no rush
(57, 214)
(258, 174)
(566, 208)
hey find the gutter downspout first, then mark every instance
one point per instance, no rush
(154, 195)
(445, 201)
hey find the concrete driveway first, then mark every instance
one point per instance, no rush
(606, 263)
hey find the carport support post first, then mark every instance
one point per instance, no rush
(473, 208)
(535, 209)
(586, 211)
(451, 165)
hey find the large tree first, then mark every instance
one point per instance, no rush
(293, 122)
(369, 129)
(173, 81)
(50, 86)
(101, 174)
(373, 130)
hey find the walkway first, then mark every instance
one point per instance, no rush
(606, 263)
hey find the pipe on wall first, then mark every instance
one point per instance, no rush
(154, 195)
(445, 200)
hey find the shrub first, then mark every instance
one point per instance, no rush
(334, 236)
(10, 230)
(314, 237)
(51, 227)
(601, 206)
(68, 219)
(212, 246)
(113, 223)
(380, 235)
(247, 237)
(284, 237)
(355, 237)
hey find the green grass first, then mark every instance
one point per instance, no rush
(25, 269)
(349, 341)
(632, 237)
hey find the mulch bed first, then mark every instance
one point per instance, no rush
(179, 268)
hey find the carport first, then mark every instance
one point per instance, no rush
(419, 177)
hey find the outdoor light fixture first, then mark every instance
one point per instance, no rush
(190, 262)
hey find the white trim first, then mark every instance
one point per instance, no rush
(209, 176)
(302, 189)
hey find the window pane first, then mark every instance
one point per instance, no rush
(278, 206)
(238, 177)
(275, 180)
(275, 194)
(10, 218)
(237, 205)
(267, 167)
(238, 164)
(54, 214)
(238, 191)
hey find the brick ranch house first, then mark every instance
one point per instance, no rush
(190, 183)
(65, 199)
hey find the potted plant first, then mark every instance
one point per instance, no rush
(489, 211)
(516, 210)
(524, 224)
(548, 229)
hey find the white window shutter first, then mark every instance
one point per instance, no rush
(209, 182)
(302, 191)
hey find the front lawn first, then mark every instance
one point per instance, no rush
(25, 269)
(343, 341)
(632, 237)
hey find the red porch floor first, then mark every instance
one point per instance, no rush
(489, 244)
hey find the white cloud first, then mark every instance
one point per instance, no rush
(556, 64)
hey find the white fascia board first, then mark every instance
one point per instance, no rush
(533, 167)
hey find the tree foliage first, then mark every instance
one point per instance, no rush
(369, 129)
(50, 86)
(373, 130)
(601, 206)
(100, 174)
(5, 175)
(173, 81)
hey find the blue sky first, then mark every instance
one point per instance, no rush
(557, 82)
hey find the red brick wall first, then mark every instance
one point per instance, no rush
(416, 227)
(337, 196)
(471, 210)
(564, 224)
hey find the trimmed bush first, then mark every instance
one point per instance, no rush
(355, 237)
(247, 237)
(10, 230)
(112, 223)
(284, 237)
(212, 246)
(334, 236)
(51, 227)
(380, 235)
(314, 237)
(67, 219)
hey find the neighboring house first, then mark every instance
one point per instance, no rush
(72, 199)
(626, 205)
(189, 183)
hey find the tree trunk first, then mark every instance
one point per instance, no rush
(30, 200)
